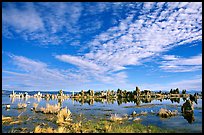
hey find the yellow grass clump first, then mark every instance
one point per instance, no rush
(107, 127)
(15, 122)
(76, 127)
(6, 119)
(115, 118)
(61, 130)
(64, 116)
(52, 109)
(22, 105)
(38, 129)
(35, 105)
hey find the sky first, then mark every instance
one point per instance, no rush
(101, 45)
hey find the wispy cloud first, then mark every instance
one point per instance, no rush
(63, 22)
(174, 63)
(36, 74)
(188, 84)
(22, 20)
(133, 41)
(78, 61)
(94, 71)
(32, 74)
(34, 22)
(145, 31)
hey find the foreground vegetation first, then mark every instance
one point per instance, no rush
(102, 126)
(91, 126)
(64, 122)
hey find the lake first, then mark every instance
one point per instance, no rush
(94, 110)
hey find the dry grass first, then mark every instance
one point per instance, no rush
(52, 109)
(35, 105)
(39, 129)
(61, 130)
(76, 127)
(115, 118)
(15, 122)
(99, 127)
(64, 116)
(50, 130)
(107, 127)
(6, 119)
(22, 105)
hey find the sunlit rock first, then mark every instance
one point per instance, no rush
(164, 113)
(134, 113)
(137, 119)
(22, 105)
(8, 106)
(187, 106)
(143, 113)
(115, 117)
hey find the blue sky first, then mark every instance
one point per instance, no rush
(100, 46)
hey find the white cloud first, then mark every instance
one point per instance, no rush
(169, 57)
(27, 64)
(188, 84)
(94, 72)
(34, 75)
(133, 42)
(78, 61)
(22, 20)
(176, 64)
(63, 21)
(46, 23)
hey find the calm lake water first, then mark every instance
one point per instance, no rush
(104, 109)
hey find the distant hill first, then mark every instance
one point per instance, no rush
(7, 92)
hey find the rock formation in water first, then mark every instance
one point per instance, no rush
(166, 113)
(187, 106)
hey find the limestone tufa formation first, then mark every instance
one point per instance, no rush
(164, 113)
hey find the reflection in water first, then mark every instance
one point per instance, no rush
(194, 98)
(188, 111)
(136, 100)
(189, 117)
(59, 102)
(21, 110)
(177, 100)
(25, 99)
(119, 101)
(12, 100)
(72, 100)
(90, 101)
(38, 99)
